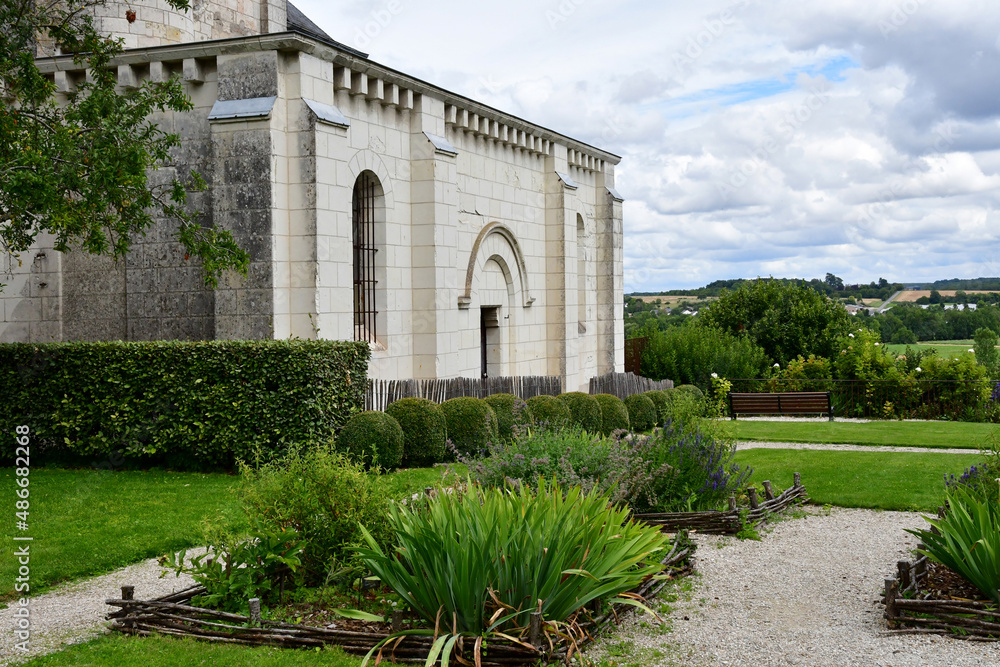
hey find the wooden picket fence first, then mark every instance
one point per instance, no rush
(623, 385)
(383, 392)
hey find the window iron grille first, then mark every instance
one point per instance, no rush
(363, 216)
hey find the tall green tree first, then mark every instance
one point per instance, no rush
(78, 167)
(987, 355)
(784, 318)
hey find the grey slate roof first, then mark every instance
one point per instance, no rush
(300, 23)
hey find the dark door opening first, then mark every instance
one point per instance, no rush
(489, 343)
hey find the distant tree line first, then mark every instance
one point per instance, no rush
(831, 285)
(909, 323)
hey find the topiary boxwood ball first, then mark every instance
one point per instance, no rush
(693, 390)
(373, 439)
(614, 416)
(641, 412)
(585, 409)
(425, 431)
(511, 412)
(472, 424)
(662, 402)
(549, 412)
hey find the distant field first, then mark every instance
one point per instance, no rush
(946, 350)
(671, 301)
(914, 294)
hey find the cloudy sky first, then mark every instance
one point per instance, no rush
(759, 137)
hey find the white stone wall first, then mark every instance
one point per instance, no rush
(475, 210)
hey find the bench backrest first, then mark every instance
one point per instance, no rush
(788, 402)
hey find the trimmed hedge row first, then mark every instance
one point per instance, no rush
(182, 404)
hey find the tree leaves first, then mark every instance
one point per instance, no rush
(79, 168)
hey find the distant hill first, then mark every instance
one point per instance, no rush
(987, 284)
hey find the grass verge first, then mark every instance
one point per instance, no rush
(877, 480)
(930, 434)
(114, 649)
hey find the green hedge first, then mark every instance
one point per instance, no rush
(182, 404)
(549, 412)
(661, 400)
(641, 412)
(585, 409)
(511, 412)
(614, 416)
(472, 424)
(373, 439)
(425, 431)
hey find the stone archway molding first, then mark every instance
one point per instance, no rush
(501, 230)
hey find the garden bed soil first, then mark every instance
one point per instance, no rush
(926, 597)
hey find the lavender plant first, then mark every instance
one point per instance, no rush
(676, 467)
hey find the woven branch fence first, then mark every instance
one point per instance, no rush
(383, 392)
(624, 385)
(910, 611)
(171, 615)
(730, 521)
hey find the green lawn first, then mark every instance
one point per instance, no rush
(113, 650)
(88, 522)
(894, 433)
(880, 480)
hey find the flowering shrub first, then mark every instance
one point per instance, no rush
(677, 467)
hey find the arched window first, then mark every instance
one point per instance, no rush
(367, 212)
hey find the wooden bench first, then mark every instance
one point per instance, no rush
(781, 403)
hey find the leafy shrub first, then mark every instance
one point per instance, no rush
(675, 468)
(372, 438)
(585, 409)
(189, 405)
(511, 413)
(322, 496)
(967, 540)
(561, 550)
(549, 412)
(248, 567)
(694, 391)
(472, 424)
(786, 319)
(689, 354)
(425, 431)
(661, 402)
(684, 405)
(641, 412)
(614, 415)
(987, 355)
(548, 454)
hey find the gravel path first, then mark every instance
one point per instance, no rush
(850, 448)
(805, 595)
(75, 612)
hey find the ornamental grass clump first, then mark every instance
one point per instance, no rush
(967, 540)
(481, 561)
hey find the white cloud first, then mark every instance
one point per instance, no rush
(860, 137)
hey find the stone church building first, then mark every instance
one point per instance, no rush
(456, 239)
